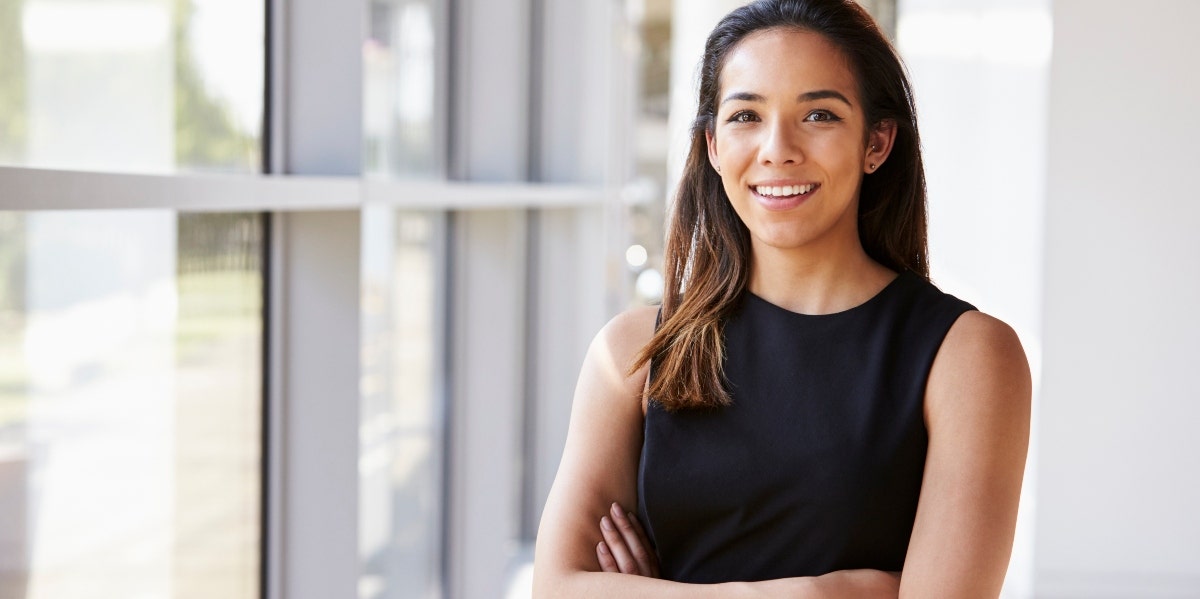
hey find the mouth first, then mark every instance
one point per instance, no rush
(784, 191)
(784, 196)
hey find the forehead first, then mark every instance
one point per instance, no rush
(790, 61)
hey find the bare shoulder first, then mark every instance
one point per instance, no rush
(981, 359)
(979, 340)
(975, 328)
(629, 331)
(622, 339)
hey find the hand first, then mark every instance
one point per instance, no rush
(624, 548)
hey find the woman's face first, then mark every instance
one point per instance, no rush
(790, 139)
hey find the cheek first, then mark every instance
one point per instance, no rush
(733, 192)
(736, 148)
(843, 154)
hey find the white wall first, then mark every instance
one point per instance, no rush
(1059, 202)
(1119, 483)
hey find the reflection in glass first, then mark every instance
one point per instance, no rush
(131, 85)
(130, 369)
(401, 89)
(400, 465)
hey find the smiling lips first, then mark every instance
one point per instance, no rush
(783, 191)
(783, 197)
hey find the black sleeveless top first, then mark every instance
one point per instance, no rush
(817, 465)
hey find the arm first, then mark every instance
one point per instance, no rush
(623, 550)
(977, 411)
(599, 466)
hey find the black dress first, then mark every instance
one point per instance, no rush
(817, 465)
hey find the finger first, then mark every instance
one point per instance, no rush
(617, 547)
(607, 563)
(645, 540)
(633, 540)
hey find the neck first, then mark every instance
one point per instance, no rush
(831, 278)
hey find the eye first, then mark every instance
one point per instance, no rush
(744, 116)
(822, 116)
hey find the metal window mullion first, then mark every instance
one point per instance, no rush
(320, 135)
(42, 189)
(273, 543)
(46, 189)
(529, 397)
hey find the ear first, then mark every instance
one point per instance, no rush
(879, 145)
(712, 150)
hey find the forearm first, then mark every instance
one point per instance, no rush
(604, 585)
(856, 584)
(844, 584)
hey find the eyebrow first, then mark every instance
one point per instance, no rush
(821, 94)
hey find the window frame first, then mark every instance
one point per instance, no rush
(311, 176)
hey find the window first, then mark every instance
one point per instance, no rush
(403, 96)
(131, 86)
(209, 375)
(130, 406)
(401, 456)
(131, 343)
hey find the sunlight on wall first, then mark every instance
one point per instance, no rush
(1017, 37)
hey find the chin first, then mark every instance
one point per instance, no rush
(784, 241)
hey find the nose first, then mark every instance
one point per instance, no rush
(781, 145)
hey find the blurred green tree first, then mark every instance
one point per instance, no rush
(12, 84)
(206, 136)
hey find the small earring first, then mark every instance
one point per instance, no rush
(718, 167)
(872, 166)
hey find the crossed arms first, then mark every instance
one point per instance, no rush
(977, 406)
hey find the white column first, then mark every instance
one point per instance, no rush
(487, 368)
(324, 87)
(489, 143)
(314, 306)
(490, 92)
(1119, 485)
(321, 395)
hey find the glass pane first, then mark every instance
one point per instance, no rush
(650, 57)
(131, 85)
(130, 386)
(401, 436)
(401, 97)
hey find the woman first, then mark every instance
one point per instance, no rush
(807, 416)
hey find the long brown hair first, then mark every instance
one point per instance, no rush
(708, 247)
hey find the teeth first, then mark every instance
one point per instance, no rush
(784, 191)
